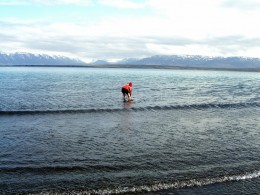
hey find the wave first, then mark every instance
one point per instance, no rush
(165, 186)
(167, 107)
(177, 184)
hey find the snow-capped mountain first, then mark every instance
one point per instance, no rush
(189, 61)
(100, 62)
(36, 59)
(196, 61)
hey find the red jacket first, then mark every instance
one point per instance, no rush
(128, 88)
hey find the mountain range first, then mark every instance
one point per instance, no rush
(196, 61)
(183, 61)
(37, 59)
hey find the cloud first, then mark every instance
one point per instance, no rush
(12, 2)
(171, 27)
(46, 2)
(100, 41)
(123, 4)
(64, 2)
(242, 5)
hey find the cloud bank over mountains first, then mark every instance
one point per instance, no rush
(117, 29)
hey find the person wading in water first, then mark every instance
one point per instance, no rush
(127, 90)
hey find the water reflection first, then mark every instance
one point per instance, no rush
(127, 105)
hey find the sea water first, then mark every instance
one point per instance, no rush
(68, 131)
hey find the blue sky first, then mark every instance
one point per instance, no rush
(116, 29)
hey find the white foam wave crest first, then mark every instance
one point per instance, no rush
(166, 186)
(178, 184)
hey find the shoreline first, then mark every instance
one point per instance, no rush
(165, 67)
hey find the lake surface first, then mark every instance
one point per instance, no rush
(67, 130)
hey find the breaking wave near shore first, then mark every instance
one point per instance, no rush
(136, 109)
(162, 186)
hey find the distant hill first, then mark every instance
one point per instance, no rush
(197, 61)
(194, 62)
(37, 59)
(100, 62)
(185, 61)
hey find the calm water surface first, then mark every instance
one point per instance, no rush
(67, 130)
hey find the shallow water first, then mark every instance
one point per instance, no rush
(67, 130)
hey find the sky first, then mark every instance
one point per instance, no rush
(118, 29)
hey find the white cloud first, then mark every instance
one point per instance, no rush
(62, 2)
(15, 2)
(46, 2)
(190, 49)
(130, 4)
(199, 27)
(242, 5)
